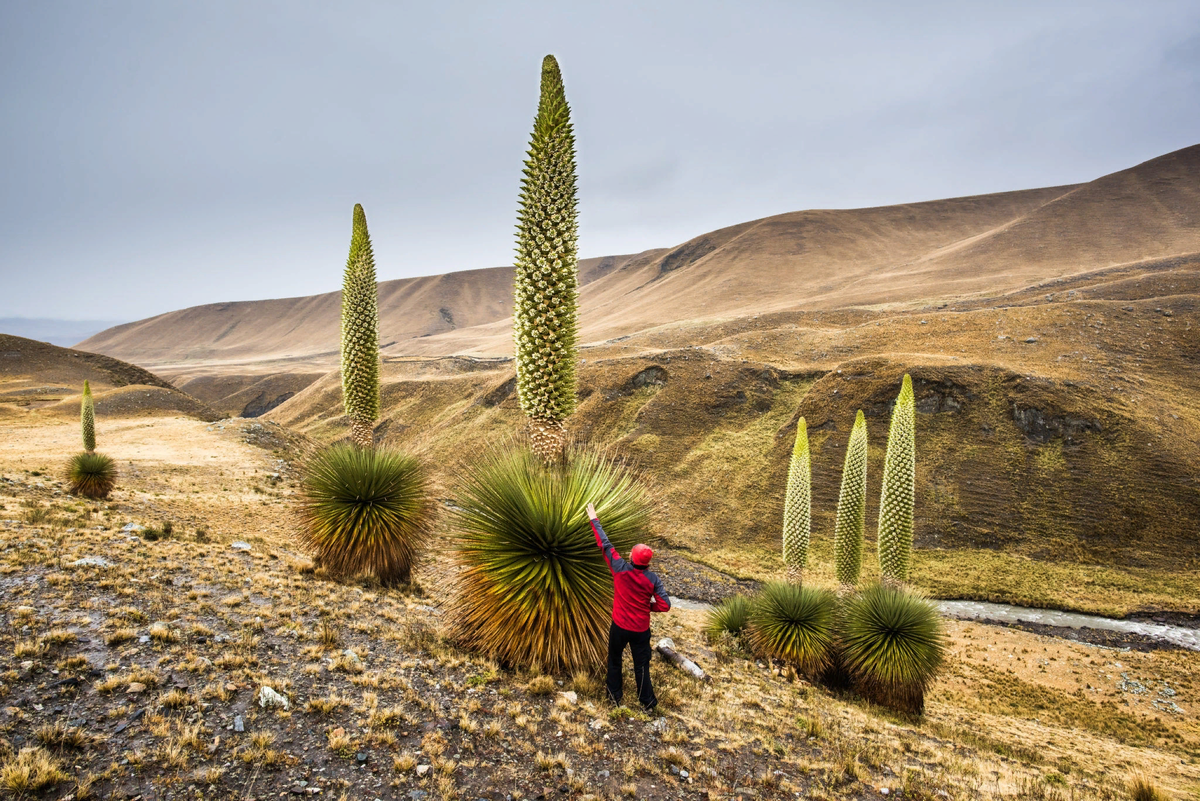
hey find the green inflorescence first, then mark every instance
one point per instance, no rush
(87, 419)
(852, 507)
(546, 282)
(797, 506)
(896, 500)
(360, 333)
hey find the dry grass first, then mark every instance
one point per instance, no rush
(986, 727)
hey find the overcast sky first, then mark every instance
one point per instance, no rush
(156, 155)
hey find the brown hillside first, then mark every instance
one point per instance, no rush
(36, 374)
(942, 250)
(1061, 431)
(306, 329)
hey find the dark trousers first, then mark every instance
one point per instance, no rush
(639, 644)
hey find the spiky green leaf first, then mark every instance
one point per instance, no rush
(534, 589)
(728, 617)
(793, 624)
(893, 644)
(365, 510)
(92, 475)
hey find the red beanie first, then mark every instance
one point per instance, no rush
(641, 555)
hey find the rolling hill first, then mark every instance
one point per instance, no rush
(894, 256)
(1051, 334)
(40, 376)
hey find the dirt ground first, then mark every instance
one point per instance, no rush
(138, 672)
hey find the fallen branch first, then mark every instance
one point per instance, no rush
(666, 647)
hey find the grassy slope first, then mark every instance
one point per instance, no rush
(1060, 472)
(1015, 714)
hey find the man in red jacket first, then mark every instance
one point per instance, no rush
(636, 593)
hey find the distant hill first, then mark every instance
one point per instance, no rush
(37, 375)
(893, 256)
(57, 332)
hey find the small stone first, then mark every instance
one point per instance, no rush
(884, 790)
(238, 724)
(91, 561)
(417, 795)
(240, 546)
(269, 699)
(683, 774)
(1031, 340)
(361, 757)
(674, 770)
(145, 638)
(570, 697)
(604, 774)
(423, 769)
(136, 687)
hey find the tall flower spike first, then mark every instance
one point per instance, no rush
(797, 508)
(852, 508)
(896, 500)
(87, 419)
(546, 280)
(360, 335)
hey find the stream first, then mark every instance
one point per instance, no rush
(1006, 613)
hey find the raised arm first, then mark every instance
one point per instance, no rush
(610, 553)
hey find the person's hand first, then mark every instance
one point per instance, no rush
(591, 510)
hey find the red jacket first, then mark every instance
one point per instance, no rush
(637, 591)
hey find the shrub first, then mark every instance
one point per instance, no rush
(1142, 788)
(92, 475)
(546, 275)
(892, 645)
(534, 590)
(793, 624)
(365, 510)
(730, 616)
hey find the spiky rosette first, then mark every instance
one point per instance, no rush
(896, 500)
(852, 507)
(893, 645)
(92, 475)
(365, 510)
(797, 507)
(793, 624)
(360, 335)
(728, 617)
(533, 588)
(87, 418)
(546, 280)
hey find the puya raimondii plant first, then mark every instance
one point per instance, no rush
(852, 508)
(797, 507)
(90, 474)
(364, 509)
(360, 335)
(546, 277)
(896, 500)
